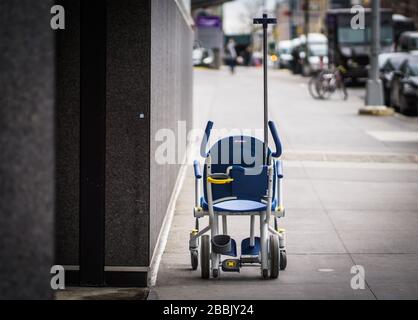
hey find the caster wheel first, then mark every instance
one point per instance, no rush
(205, 257)
(274, 257)
(194, 257)
(215, 273)
(283, 260)
(265, 274)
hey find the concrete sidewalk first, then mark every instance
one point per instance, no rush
(351, 186)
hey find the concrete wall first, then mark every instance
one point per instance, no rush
(127, 137)
(26, 149)
(171, 98)
(149, 87)
(67, 140)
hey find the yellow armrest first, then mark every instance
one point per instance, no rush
(220, 181)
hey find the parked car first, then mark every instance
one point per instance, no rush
(408, 42)
(317, 50)
(401, 24)
(404, 89)
(296, 50)
(284, 52)
(389, 63)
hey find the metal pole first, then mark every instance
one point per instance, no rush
(266, 112)
(306, 31)
(374, 84)
(290, 19)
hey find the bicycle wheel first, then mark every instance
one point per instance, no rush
(313, 87)
(343, 91)
(324, 84)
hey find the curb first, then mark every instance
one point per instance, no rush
(377, 111)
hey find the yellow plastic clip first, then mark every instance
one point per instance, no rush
(220, 181)
(231, 264)
(194, 232)
(280, 209)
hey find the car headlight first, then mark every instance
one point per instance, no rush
(208, 60)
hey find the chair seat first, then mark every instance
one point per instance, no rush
(238, 206)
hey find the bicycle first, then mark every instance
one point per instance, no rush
(327, 82)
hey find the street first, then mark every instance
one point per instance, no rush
(351, 195)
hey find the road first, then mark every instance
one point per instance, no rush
(351, 195)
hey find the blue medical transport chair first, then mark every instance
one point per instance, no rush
(242, 176)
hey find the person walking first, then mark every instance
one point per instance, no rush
(232, 55)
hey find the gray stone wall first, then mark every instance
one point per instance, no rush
(149, 87)
(171, 98)
(68, 136)
(127, 135)
(26, 149)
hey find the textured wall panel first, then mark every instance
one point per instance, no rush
(171, 98)
(26, 149)
(68, 136)
(127, 136)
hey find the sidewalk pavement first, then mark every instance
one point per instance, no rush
(351, 186)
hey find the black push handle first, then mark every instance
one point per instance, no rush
(205, 140)
(276, 139)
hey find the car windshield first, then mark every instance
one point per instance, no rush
(318, 49)
(397, 62)
(285, 50)
(413, 67)
(414, 44)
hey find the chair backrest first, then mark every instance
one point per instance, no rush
(244, 156)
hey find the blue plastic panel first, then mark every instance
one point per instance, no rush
(247, 250)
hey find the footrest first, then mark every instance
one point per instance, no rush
(224, 245)
(248, 250)
(231, 265)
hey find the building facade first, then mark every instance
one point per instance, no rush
(81, 108)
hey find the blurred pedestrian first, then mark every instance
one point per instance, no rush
(232, 55)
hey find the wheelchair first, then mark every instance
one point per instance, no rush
(241, 177)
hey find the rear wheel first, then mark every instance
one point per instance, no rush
(274, 257)
(205, 257)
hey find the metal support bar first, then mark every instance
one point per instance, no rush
(252, 231)
(265, 21)
(201, 233)
(224, 225)
(196, 193)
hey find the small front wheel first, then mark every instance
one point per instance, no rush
(283, 260)
(194, 257)
(215, 273)
(205, 257)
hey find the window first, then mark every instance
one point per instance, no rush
(348, 35)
